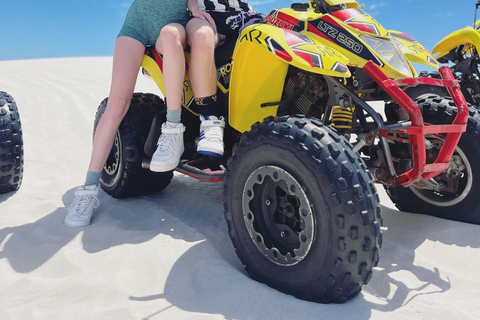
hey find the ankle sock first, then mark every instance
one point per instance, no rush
(174, 116)
(208, 105)
(93, 178)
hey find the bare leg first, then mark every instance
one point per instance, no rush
(203, 75)
(127, 58)
(171, 44)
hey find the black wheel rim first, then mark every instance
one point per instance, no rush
(278, 215)
(111, 170)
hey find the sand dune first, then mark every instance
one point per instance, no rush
(168, 255)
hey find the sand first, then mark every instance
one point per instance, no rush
(168, 255)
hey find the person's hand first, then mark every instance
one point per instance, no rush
(205, 16)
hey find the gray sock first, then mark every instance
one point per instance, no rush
(92, 178)
(174, 115)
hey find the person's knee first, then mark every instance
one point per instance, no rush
(202, 39)
(172, 37)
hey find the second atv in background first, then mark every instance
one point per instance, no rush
(452, 194)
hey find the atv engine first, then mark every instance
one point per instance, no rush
(305, 93)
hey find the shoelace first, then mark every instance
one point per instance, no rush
(165, 143)
(213, 133)
(81, 202)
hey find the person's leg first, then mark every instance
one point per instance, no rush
(171, 44)
(127, 58)
(202, 38)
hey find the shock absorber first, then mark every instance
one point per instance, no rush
(342, 115)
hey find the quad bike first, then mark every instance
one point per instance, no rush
(453, 194)
(11, 145)
(300, 202)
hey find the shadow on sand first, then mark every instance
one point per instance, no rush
(218, 284)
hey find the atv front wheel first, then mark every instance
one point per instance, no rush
(123, 175)
(459, 185)
(302, 211)
(11, 145)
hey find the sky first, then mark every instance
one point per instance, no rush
(37, 29)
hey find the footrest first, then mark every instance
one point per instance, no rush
(207, 169)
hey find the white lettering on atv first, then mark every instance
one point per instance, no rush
(340, 37)
(274, 21)
(328, 29)
(349, 43)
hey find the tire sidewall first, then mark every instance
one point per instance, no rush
(287, 161)
(344, 203)
(11, 145)
(130, 178)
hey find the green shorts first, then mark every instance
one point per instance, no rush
(146, 18)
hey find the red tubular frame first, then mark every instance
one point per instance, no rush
(418, 130)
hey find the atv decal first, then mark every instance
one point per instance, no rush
(328, 29)
(223, 77)
(417, 48)
(295, 41)
(157, 58)
(284, 21)
(356, 18)
(403, 36)
(253, 34)
(187, 97)
(274, 47)
(338, 67)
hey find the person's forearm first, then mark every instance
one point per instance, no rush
(192, 5)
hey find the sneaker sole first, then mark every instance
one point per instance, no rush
(213, 153)
(73, 225)
(162, 167)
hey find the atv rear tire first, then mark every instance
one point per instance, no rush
(11, 145)
(123, 175)
(423, 91)
(460, 203)
(302, 211)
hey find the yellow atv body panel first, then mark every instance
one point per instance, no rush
(348, 3)
(260, 62)
(350, 32)
(413, 50)
(467, 36)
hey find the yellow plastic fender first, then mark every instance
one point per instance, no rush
(413, 50)
(348, 3)
(261, 59)
(467, 36)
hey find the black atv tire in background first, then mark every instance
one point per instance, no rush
(460, 201)
(424, 91)
(302, 211)
(123, 175)
(396, 113)
(11, 145)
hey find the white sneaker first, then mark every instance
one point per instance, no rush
(81, 210)
(210, 141)
(170, 148)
